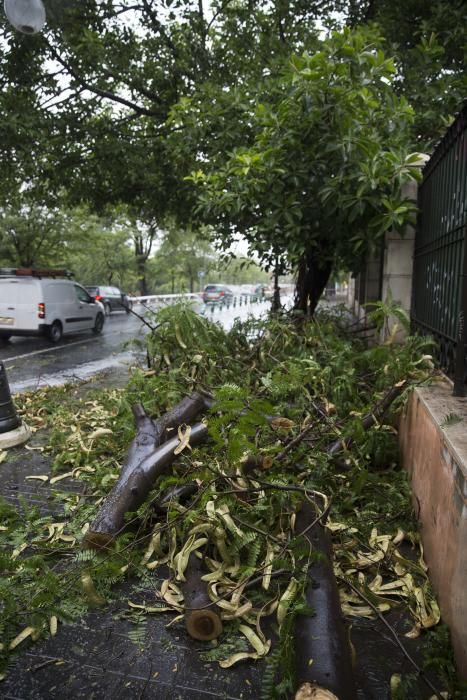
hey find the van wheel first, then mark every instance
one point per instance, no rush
(107, 309)
(55, 331)
(4, 338)
(98, 324)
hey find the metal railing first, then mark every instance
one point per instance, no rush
(157, 301)
(439, 292)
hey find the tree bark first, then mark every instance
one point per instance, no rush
(321, 638)
(202, 622)
(276, 299)
(141, 269)
(131, 491)
(145, 461)
(312, 277)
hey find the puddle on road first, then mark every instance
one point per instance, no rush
(78, 373)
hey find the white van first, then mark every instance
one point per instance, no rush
(36, 302)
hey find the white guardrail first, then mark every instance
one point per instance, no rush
(164, 298)
(159, 300)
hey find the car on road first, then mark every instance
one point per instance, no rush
(217, 293)
(43, 302)
(112, 298)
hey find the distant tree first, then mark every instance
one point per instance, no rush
(107, 258)
(182, 255)
(238, 271)
(33, 235)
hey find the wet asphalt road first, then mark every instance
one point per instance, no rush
(32, 363)
(36, 362)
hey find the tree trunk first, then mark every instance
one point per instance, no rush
(276, 299)
(141, 270)
(312, 277)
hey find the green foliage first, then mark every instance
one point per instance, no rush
(322, 176)
(262, 369)
(429, 42)
(382, 311)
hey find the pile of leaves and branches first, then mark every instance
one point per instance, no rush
(298, 414)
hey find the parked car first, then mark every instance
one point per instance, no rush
(112, 298)
(43, 302)
(217, 292)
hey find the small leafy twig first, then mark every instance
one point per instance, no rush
(238, 520)
(293, 443)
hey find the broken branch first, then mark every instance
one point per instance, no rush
(202, 622)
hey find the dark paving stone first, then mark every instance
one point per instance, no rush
(96, 658)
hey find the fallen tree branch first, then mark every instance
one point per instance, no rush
(322, 650)
(146, 460)
(293, 443)
(376, 415)
(202, 622)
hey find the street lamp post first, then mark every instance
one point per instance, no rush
(27, 16)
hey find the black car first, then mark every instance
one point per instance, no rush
(112, 298)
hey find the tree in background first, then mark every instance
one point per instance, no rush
(238, 270)
(182, 255)
(106, 259)
(185, 261)
(34, 235)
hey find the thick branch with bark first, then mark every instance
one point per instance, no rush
(322, 637)
(148, 457)
(202, 622)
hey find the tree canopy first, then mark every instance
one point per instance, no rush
(118, 101)
(321, 181)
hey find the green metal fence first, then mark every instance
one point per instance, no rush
(439, 297)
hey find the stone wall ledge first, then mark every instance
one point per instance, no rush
(433, 442)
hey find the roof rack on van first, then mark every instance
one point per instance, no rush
(33, 272)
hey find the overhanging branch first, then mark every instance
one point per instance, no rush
(106, 94)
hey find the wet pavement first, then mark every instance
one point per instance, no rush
(97, 659)
(105, 655)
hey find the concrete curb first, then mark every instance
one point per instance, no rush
(15, 437)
